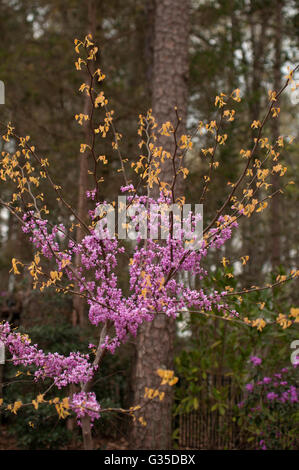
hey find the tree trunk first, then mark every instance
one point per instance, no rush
(259, 17)
(78, 302)
(155, 341)
(86, 433)
(276, 214)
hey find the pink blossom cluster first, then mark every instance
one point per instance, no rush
(153, 281)
(155, 286)
(274, 388)
(255, 360)
(276, 393)
(83, 404)
(65, 370)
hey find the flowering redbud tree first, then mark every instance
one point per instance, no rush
(155, 266)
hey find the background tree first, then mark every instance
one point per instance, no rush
(155, 342)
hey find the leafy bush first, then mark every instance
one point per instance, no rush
(269, 411)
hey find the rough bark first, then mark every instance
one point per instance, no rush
(86, 433)
(78, 302)
(258, 19)
(155, 341)
(275, 221)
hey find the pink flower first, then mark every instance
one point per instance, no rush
(255, 360)
(267, 380)
(272, 396)
(263, 445)
(85, 404)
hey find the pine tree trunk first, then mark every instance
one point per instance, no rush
(276, 214)
(258, 20)
(155, 341)
(78, 302)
